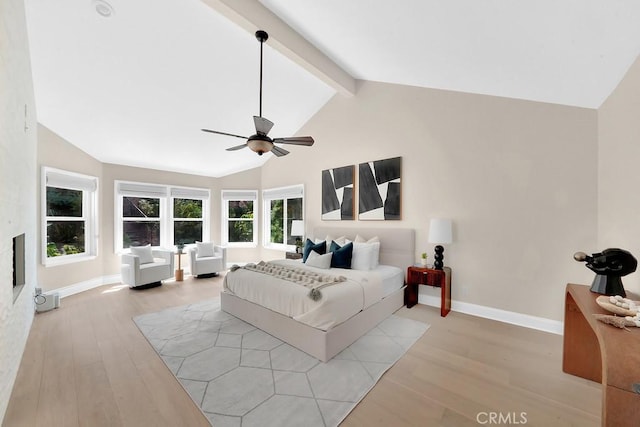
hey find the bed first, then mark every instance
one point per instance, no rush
(320, 336)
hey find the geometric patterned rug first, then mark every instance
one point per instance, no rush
(241, 376)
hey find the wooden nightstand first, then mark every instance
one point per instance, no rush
(431, 277)
(293, 255)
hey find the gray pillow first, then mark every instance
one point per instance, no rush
(319, 261)
(205, 249)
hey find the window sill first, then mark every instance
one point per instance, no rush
(280, 247)
(69, 259)
(241, 245)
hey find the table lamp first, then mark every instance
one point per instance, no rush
(297, 231)
(439, 233)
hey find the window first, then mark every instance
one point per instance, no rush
(189, 215)
(239, 219)
(159, 215)
(69, 229)
(140, 221)
(187, 221)
(281, 207)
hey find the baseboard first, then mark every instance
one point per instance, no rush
(86, 285)
(525, 320)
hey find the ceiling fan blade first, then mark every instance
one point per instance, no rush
(262, 125)
(237, 147)
(295, 140)
(279, 151)
(223, 133)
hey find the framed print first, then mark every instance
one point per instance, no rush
(379, 189)
(337, 193)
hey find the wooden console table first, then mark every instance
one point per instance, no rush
(602, 353)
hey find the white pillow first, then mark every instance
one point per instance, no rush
(364, 256)
(320, 261)
(375, 242)
(205, 249)
(342, 240)
(143, 252)
(360, 239)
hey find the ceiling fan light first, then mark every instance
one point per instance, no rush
(260, 146)
(103, 8)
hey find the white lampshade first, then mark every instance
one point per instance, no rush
(440, 231)
(297, 227)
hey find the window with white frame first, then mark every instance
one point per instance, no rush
(239, 218)
(159, 215)
(188, 207)
(281, 206)
(69, 220)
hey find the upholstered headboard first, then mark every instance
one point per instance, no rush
(397, 245)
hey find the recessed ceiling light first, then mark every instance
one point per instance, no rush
(103, 8)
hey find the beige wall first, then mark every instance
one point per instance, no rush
(517, 178)
(18, 175)
(618, 165)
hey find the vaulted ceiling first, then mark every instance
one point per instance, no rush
(136, 87)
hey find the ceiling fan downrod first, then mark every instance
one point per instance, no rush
(262, 37)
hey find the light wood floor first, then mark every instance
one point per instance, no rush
(86, 364)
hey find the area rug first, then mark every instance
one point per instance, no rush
(241, 376)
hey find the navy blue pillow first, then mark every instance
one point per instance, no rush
(309, 246)
(341, 255)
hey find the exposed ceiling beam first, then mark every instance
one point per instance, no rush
(252, 15)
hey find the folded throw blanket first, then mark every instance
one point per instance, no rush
(310, 279)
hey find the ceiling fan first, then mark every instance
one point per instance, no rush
(260, 142)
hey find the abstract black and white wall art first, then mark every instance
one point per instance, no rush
(379, 189)
(337, 193)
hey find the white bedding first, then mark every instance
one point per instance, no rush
(392, 278)
(339, 302)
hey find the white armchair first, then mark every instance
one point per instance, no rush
(145, 267)
(207, 258)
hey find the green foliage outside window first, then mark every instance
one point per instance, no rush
(185, 232)
(277, 221)
(278, 217)
(187, 208)
(52, 250)
(65, 226)
(64, 202)
(144, 226)
(140, 207)
(240, 221)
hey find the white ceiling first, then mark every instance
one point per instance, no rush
(571, 52)
(136, 88)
